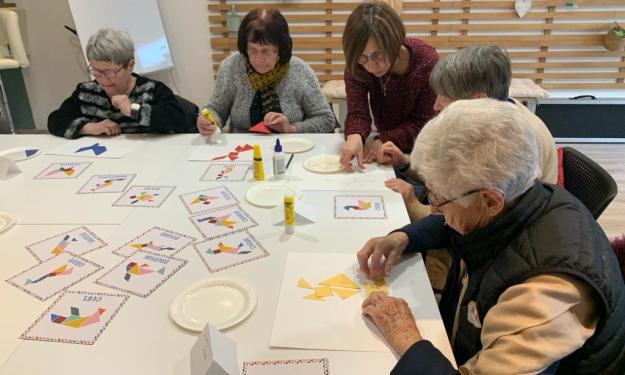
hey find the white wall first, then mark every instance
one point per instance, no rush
(57, 63)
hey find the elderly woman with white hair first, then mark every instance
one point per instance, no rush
(533, 285)
(117, 100)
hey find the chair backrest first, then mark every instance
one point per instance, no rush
(587, 181)
(191, 111)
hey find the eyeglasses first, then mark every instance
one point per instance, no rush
(265, 53)
(377, 57)
(110, 74)
(437, 207)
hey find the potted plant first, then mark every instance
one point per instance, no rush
(615, 38)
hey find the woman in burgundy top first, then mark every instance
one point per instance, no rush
(387, 75)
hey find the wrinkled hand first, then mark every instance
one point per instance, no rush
(350, 149)
(371, 150)
(104, 127)
(391, 154)
(404, 188)
(122, 103)
(393, 318)
(278, 122)
(390, 247)
(205, 126)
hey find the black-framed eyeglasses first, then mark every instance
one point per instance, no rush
(110, 74)
(437, 207)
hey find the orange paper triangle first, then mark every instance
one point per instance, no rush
(260, 128)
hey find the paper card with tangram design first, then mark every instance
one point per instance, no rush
(225, 220)
(63, 170)
(56, 274)
(97, 147)
(107, 183)
(225, 172)
(359, 207)
(76, 317)
(208, 199)
(229, 251)
(78, 241)
(144, 196)
(309, 366)
(141, 273)
(156, 240)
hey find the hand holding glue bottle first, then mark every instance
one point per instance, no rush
(207, 125)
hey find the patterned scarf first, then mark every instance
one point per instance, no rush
(266, 98)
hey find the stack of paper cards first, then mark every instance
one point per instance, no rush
(63, 170)
(78, 241)
(359, 207)
(313, 366)
(112, 183)
(208, 199)
(225, 172)
(225, 252)
(144, 196)
(156, 240)
(225, 220)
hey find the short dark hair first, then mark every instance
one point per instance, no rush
(266, 26)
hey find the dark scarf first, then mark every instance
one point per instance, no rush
(266, 98)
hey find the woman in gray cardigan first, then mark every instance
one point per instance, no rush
(263, 82)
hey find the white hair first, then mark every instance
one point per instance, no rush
(110, 45)
(477, 144)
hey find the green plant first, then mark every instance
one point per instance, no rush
(618, 32)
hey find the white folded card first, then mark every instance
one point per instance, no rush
(8, 168)
(214, 354)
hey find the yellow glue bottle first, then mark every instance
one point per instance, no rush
(259, 172)
(289, 214)
(209, 116)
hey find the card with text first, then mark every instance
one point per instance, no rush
(78, 241)
(229, 251)
(208, 199)
(107, 183)
(144, 196)
(157, 240)
(222, 221)
(225, 172)
(63, 170)
(359, 207)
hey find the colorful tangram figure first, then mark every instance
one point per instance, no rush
(221, 248)
(204, 199)
(362, 205)
(150, 245)
(224, 172)
(96, 148)
(143, 197)
(75, 320)
(68, 171)
(221, 221)
(106, 183)
(63, 270)
(234, 155)
(340, 285)
(137, 269)
(63, 244)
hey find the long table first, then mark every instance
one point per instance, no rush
(143, 339)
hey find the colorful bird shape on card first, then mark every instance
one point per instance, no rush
(63, 270)
(68, 171)
(134, 268)
(106, 183)
(204, 199)
(96, 148)
(234, 155)
(224, 172)
(222, 248)
(151, 245)
(143, 197)
(63, 244)
(221, 221)
(362, 205)
(75, 320)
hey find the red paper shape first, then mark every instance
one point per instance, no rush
(260, 128)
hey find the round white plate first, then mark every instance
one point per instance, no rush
(271, 194)
(6, 221)
(19, 153)
(223, 302)
(324, 164)
(296, 145)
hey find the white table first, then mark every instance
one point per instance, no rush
(142, 339)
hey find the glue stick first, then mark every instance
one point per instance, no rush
(259, 172)
(209, 116)
(289, 213)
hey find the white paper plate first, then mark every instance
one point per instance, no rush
(6, 221)
(324, 164)
(296, 145)
(223, 302)
(20, 153)
(271, 194)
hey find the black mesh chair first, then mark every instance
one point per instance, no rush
(191, 111)
(587, 181)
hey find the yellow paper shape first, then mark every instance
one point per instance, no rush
(345, 293)
(341, 280)
(323, 291)
(377, 286)
(313, 297)
(303, 284)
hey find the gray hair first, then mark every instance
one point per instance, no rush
(111, 45)
(471, 71)
(477, 144)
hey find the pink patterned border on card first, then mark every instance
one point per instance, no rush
(264, 252)
(191, 238)
(324, 362)
(104, 244)
(118, 204)
(361, 218)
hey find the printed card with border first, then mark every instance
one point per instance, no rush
(141, 273)
(312, 366)
(157, 240)
(225, 220)
(208, 199)
(229, 251)
(79, 241)
(225, 172)
(107, 183)
(359, 207)
(63, 170)
(76, 317)
(48, 278)
(144, 196)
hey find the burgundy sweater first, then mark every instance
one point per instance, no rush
(407, 106)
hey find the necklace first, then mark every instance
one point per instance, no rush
(383, 83)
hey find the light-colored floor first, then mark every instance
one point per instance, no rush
(612, 158)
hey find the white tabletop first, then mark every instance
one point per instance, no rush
(142, 339)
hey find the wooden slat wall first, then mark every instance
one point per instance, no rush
(556, 46)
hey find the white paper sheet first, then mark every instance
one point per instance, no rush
(97, 147)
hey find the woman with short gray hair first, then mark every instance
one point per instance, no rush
(117, 100)
(533, 285)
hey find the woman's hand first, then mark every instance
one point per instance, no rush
(371, 150)
(391, 154)
(121, 102)
(393, 318)
(278, 122)
(104, 127)
(350, 149)
(205, 126)
(388, 247)
(405, 189)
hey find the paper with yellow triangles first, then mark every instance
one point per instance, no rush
(340, 285)
(341, 280)
(377, 286)
(345, 293)
(303, 284)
